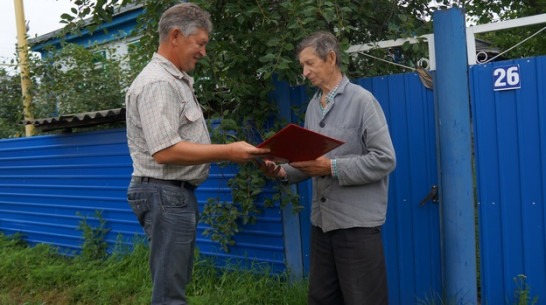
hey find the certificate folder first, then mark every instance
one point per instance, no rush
(294, 143)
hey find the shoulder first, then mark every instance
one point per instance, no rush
(358, 95)
(356, 89)
(152, 75)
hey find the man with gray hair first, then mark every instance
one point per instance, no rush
(170, 147)
(350, 183)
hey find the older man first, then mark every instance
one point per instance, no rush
(350, 183)
(171, 150)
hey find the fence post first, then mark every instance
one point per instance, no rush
(291, 223)
(457, 224)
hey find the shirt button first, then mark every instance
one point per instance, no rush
(322, 199)
(322, 124)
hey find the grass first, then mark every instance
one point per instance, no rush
(40, 275)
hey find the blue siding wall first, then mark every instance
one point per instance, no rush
(510, 138)
(45, 181)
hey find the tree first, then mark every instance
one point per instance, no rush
(483, 12)
(76, 79)
(11, 105)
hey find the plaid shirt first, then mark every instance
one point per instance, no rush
(162, 111)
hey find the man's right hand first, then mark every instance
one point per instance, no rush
(241, 152)
(270, 169)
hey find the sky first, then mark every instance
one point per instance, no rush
(43, 15)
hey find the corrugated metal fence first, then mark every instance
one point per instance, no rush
(46, 180)
(49, 183)
(510, 142)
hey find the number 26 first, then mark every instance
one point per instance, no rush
(509, 76)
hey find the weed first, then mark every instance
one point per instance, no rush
(94, 246)
(523, 291)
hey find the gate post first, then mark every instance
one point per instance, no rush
(291, 222)
(452, 99)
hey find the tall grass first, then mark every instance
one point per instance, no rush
(40, 275)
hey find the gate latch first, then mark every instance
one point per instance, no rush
(432, 195)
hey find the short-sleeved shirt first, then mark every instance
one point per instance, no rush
(161, 111)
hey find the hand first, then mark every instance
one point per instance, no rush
(321, 166)
(241, 152)
(270, 169)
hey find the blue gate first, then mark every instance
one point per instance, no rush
(510, 146)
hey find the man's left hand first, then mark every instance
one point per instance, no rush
(318, 167)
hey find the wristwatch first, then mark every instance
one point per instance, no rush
(284, 179)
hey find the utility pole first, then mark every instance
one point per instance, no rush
(22, 48)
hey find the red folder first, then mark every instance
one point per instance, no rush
(294, 143)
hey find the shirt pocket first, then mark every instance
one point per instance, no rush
(192, 113)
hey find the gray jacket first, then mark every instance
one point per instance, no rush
(358, 196)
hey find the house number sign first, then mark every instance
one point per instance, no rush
(506, 78)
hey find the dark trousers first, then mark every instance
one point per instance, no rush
(347, 267)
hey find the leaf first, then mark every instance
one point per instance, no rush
(67, 17)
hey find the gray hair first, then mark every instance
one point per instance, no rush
(322, 43)
(187, 17)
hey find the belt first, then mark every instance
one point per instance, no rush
(177, 183)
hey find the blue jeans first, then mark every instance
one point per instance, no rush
(169, 216)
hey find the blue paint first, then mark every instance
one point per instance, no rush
(455, 157)
(291, 221)
(510, 133)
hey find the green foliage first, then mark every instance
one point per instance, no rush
(94, 245)
(11, 105)
(39, 275)
(522, 295)
(76, 79)
(236, 284)
(225, 219)
(70, 80)
(483, 12)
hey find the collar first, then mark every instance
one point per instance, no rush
(340, 88)
(343, 84)
(171, 68)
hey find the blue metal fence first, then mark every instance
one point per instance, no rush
(510, 139)
(411, 233)
(45, 180)
(49, 183)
